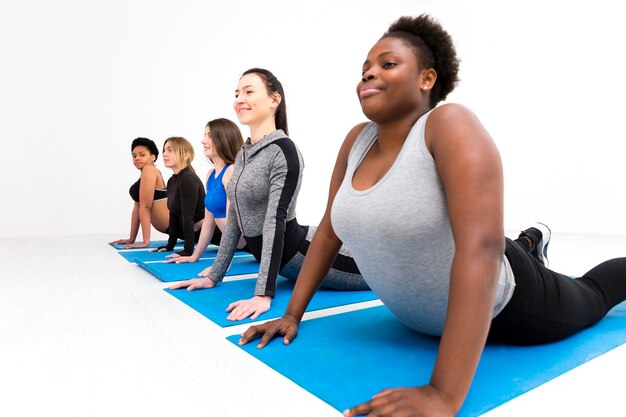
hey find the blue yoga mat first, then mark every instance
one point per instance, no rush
(243, 263)
(153, 244)
(212, 302)
(347, 358)
(147, 256)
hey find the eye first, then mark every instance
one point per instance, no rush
(389, 65)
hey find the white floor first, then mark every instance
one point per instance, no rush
(85, 333)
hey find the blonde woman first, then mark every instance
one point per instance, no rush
(148, 193)
(185, 196)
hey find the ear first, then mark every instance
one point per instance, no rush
(276, 99)
(427, 79)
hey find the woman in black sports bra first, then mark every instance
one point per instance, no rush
(148, 193)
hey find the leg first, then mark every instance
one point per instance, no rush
(547, 306)
(343, 275)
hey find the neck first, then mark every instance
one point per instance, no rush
(177, 169)
(218, 164)
(398, 129)
(258, 131)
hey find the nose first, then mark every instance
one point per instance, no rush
(368, 75)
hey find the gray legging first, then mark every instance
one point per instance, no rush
(343, 275)
(547, 306)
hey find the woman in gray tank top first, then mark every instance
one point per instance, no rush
(441, 262)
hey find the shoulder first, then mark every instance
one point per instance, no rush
(149, 173)
(451, 117)
(227, 174)
(211, 171)
(351, 137)
(284, 150)
(453, 133)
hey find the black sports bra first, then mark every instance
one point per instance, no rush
(159, 194)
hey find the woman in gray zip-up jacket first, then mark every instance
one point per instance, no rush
(263, 192)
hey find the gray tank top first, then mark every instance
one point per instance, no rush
(399, 233)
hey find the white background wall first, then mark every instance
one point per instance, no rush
(80, 79)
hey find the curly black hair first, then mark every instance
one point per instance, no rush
(433, 47)
(148, 143)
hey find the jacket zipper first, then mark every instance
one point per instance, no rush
(243, 158)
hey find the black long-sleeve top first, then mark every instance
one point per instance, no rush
(185, 200)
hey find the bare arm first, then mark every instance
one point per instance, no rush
(134, 224)
(470, 169)
(149, 178)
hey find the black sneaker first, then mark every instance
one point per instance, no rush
(540, 234)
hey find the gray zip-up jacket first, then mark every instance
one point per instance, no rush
(262, 192)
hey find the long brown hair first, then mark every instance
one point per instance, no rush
(226, 138)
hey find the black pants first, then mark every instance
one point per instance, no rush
(547, 306)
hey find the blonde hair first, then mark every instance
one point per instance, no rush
(182, 150)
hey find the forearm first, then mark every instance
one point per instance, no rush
(189, 236)
(144, 220)
(228, 246)
(174, 232)
(208, 228)
(134, 222)
(317, 262)
(473, 284)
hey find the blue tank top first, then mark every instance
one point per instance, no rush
(215, 200)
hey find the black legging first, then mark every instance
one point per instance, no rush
(547, 306)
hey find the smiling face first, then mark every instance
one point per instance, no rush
(253, 105)
(207, 143)
(392, 84)
(142, 157)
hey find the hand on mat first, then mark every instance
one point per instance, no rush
(425, 401)
(252, 308)
(122, 241)
(136, 245)
(194, 284)
(286, 327)
(179, 259)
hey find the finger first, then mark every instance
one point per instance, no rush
(240, 313)
(290, 334)
(386, 391)
(178, 285)
(231, 306)
(269, 334)
(366, 407)
(257, 313)
(250, 334)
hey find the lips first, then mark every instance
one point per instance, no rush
(368, 90)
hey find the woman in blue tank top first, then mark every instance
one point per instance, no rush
(439, 260)
(222, 140)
